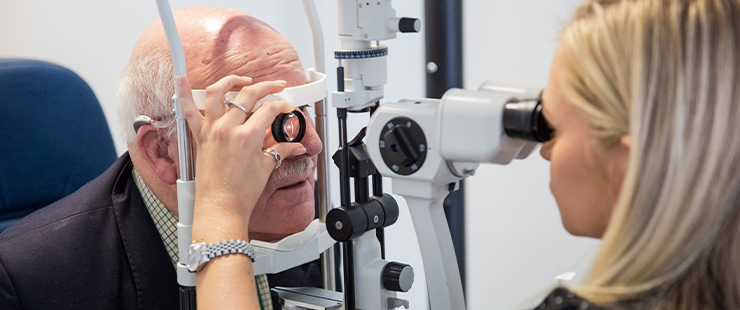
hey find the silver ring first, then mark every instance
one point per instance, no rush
(232, 104)
(276, 154)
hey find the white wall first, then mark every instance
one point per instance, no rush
(516, 244)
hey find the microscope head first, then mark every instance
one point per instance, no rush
(445, 140)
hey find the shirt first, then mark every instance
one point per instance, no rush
(166, 223)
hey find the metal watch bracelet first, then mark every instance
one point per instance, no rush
(200, 253)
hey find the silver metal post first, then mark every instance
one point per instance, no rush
(327, 258)
(185, 151)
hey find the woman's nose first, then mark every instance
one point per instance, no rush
(546, 149)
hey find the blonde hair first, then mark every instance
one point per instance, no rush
(667, 73)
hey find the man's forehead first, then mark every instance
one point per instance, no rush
(220, 42)
(208, 27)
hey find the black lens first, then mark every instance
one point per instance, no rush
(541, 129)
(289, 127)
(523, 119)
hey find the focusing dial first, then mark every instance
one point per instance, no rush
(398, 277)
(403, 145)
(362, 54)
(344, 224)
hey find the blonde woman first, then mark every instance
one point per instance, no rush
(644, 98)
(647, 95)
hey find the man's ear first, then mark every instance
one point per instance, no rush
(154, 152)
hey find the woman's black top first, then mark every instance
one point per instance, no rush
(563, 299)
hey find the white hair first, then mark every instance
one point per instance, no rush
(146, 88)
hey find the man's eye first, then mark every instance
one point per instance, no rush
(304, 108)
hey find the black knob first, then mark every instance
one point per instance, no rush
(344, 224)
(390, 208)
(407, 24)
(401, 145)
(398, 277)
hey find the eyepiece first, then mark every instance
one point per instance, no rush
(523, 119)
(289, 127)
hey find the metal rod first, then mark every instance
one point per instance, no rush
(184, 139)
(378, 192)
(362, 193)
(340, 78)
(328, 276)
(343, 159)
(348, 248)
(443, 40)
(185, 183)
(185, 151)
(316, 33)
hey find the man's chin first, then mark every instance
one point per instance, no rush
(296, 221)
(274, 236)
(267, 237)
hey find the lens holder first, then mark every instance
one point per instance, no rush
(278, 127)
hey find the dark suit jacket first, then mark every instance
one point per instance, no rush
(98, 249)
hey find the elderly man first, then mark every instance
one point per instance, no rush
(112, 244)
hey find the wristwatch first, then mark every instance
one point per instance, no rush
(199, 253)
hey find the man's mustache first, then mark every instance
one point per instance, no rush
(291, 168)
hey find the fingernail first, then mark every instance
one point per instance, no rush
(247, 78)
(281, 82)
(300, 151)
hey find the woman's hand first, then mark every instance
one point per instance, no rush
(231, 172)
(231, 167)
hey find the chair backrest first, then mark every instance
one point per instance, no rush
(53, 136)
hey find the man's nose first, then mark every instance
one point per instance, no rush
(311, 140)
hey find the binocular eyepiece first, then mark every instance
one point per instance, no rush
(523, 119)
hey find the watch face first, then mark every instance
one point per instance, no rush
(194, 255)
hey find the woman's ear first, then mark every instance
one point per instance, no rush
(625, 144)
(154, 151)
(621, 159)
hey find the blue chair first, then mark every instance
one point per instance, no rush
(53, 136)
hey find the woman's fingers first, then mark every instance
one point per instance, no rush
(215, 94)
(262, 119)
(249, 96)
(285, 150)
(192, 114)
